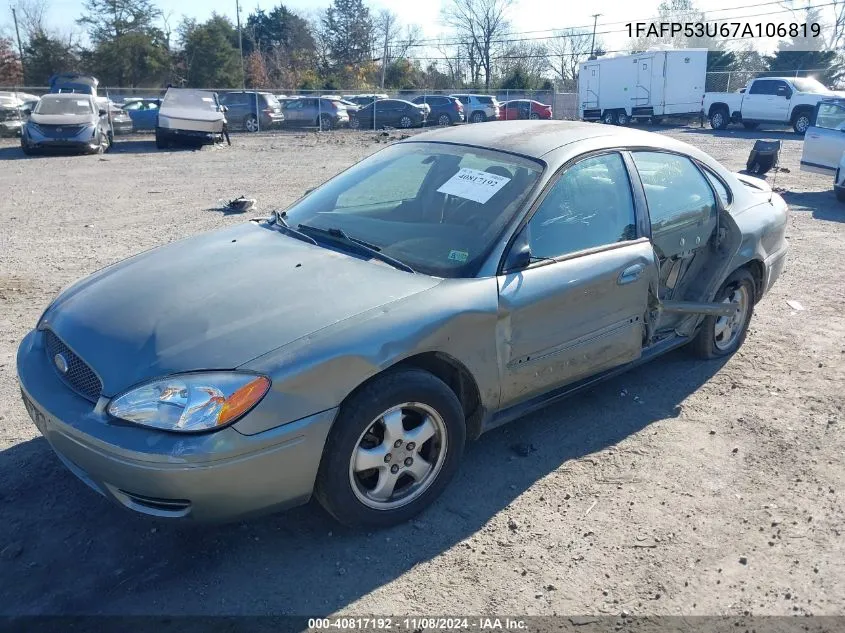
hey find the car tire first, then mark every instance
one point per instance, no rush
(609, 117)
(324, 122)
(719, 119)
(361, 435)
(478, 117)
(444, 119)
(722, 336)
(656, 120)
(840, 194)
(750, 126)
(251, 123)
(354, 123)
(534, 116)
(27, 150)
(622, 118)
(405, 122)
(800, 122)
(161, 142)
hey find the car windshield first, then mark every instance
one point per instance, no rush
(58, 105)
(808, 84)
(436, 207)
(190, 98)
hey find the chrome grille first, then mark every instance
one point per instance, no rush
(79, 376)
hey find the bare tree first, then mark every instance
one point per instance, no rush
(32, 17)
(479, 24)
(566, 51)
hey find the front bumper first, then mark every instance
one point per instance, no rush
(123, 127)
(189, 136)
(219, 476)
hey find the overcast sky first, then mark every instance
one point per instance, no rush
(532, 18)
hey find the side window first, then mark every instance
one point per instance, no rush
(676, 192)
(133, 105)
(781, 89)
(831, 116)
(152, 105)
(720, 187)
(761, 87)
(590, 205)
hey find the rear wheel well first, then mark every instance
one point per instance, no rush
(755, 267)
(799, 110)
(717, 107)
(459, 380)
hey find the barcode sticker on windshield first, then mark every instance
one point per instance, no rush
(473, 184)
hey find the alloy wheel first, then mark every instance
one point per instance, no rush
(398, 456)
(728, 328)
(444, 120)
(252, 124)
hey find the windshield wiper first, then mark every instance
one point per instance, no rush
(287, 229)
(338, 235)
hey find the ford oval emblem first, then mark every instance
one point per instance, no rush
(61, 363)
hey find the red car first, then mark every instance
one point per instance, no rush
(525, 109)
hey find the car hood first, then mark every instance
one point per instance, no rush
(216, 301)
(189, 113)
(62, 119)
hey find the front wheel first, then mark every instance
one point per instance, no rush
(801, 123)
(394, 447)
(721, 336)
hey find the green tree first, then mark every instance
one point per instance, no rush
(285, 43)
(128, 48)
(47, 55)
(348, 30)
(210, 56)
(803, 56)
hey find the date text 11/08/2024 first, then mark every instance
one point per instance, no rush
(416, 624)
(732, 30)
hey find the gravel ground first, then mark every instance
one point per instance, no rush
(684, 487)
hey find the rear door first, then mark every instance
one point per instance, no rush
(579, 308)
(824, 142)
(293, 112)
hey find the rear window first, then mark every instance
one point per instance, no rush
(271, 101)
(487, 100)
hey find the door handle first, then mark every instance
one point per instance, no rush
(630, 274)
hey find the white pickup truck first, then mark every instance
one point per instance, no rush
(773, 100)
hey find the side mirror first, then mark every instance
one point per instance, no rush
(224, 109)
(519, 256)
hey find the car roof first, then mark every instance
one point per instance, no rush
(537, 138)
(71, 95)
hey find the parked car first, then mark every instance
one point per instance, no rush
(77, 83)
(349, 105)
(443, 286)
(773, 100)
(252, 111)
(14, 115)
(389, 113)
(121, 122)
(67, 121)
(479, 108)
(189, 116)
(442, 110)
(824, 142)
(143, 112)
(525, 109)
(315, 112)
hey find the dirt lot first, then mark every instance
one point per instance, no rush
(684, 487)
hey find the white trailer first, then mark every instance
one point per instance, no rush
(650, 85)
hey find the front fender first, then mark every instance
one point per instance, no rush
(318, 371)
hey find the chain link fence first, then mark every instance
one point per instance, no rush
(735, 80)
(279, 110)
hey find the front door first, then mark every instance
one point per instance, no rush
(824, 142)
(579, 308)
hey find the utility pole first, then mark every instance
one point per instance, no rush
(596, 17)
(18, 34)
(384, 55)
(240, 43)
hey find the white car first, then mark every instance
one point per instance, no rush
(824, 143)
(189, 116)
(479, 108)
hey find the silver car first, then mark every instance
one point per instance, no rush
(441, 287)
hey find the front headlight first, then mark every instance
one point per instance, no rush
(191, 402)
